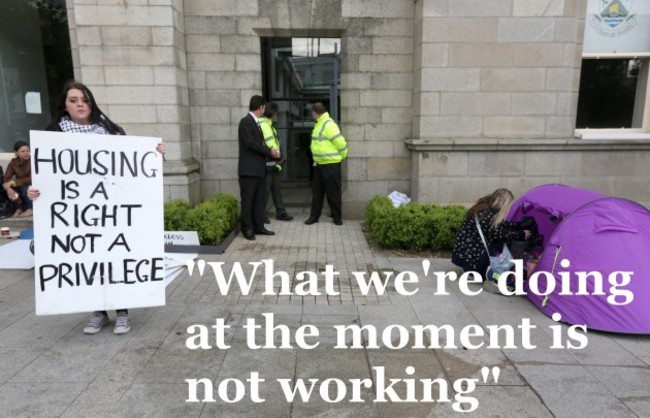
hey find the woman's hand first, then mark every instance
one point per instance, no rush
(527, 234)
(7, 185)
(33, 193)
(161, 148)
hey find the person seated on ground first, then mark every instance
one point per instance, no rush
(469, 252)
(18, 178)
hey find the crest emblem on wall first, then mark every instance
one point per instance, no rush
(614, 17)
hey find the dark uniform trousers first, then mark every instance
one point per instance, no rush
(327, 182)
(253, 198)
(273, 188)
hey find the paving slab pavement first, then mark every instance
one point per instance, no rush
(49, 368)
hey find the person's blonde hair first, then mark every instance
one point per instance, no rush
(499, 200)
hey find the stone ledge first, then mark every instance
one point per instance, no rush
(485, 145)
(180, 168)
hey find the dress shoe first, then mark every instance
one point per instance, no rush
(249, 235)
(284, 217)
(264, 231)
(267, 220)
(312, 220)
(338, 222)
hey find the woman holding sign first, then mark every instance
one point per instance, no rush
(78, 112)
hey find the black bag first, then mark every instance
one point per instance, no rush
(7, 207)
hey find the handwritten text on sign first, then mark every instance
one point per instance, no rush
(98, 223)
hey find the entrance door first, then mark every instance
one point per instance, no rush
(297, 73)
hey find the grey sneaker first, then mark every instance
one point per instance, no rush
(492, 287)
(122, 324)
(97, 322)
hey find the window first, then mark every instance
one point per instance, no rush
(614, 96)
(35, 61)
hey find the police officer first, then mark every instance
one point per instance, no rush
(329, 149)
(273, 166)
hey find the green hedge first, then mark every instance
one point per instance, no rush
(213, 219)
(414, 226)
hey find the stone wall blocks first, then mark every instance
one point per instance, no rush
(392, 45)
(450, 126)
(476, 104)
(132, 113)
(481, 55)
(385, 63)
(377, 8)
(240, 44)
(388, 27)
(218, 133)
(221, 8)
(446, 29)
(514, 127)
(250, 80)
(433, 164)
(209, 62)
(370, 148)
(399, 115)
(451, 79)
(89, 36)
(532, 8)
(513, 79)
(355, 81)
(539, 54)
(209, 115)
(388, 132)
(526, 30)
(432, 55)
(356, 44)
(361, 115)
(357, 169)
(93, 75)
(386, 98)
(209, 44)
(533, 103)
(392, 81)
(485, 8)
(561, 126)
(248, 62)
(126, 36)
(210, 25)
(129, 75)
(395, 168)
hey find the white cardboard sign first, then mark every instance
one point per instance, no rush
(98, 223)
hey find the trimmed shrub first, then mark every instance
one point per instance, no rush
(175, 214)
(212, 220)
(414, 226)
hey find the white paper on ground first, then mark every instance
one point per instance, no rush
(16, 255)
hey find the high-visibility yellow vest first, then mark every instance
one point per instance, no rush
(269, 133)
(328, 145)
(270, 138)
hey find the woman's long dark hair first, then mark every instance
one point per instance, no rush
(96, 115)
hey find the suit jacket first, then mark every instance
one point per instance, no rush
(252, 149)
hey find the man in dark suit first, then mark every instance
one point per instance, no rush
(252, 170)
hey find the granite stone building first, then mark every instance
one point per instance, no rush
(443, 100)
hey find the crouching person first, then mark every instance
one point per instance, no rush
(469, 252)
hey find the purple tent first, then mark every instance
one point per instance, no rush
(601, 237)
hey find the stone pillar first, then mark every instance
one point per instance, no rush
(132, 56)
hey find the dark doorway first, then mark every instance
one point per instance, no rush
(296, 73)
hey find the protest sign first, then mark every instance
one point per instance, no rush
(98, 223)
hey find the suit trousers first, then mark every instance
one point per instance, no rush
(273, 188)
(327, 182)
(253, 197)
